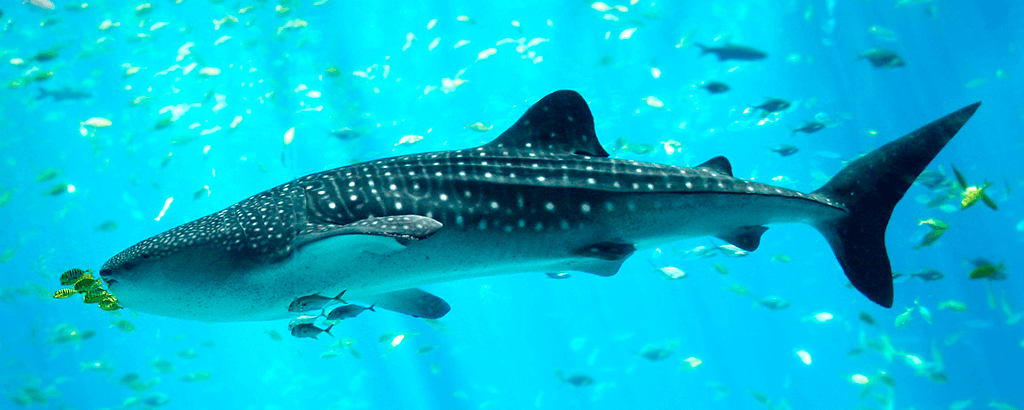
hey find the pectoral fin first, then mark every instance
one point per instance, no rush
(383, 235)
(747, 238)
(413, 302)
(603, 258)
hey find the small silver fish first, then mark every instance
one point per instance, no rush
(312, 302)
(304, 319)
(310, 330)
(347, 312)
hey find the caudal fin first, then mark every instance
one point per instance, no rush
(869, 189)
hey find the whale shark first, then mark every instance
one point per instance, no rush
(544, 196)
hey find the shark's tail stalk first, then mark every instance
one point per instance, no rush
(869, 189)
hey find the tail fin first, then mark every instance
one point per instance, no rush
(42, 93)
(869, 189)
(703, 48)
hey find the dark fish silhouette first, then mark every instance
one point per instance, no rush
(715, 87)
(785, 150)
(809, 127)
(882, 58)
(772, 105)
(733, 52)
(66, 93)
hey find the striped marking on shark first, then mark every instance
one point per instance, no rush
(542, 197)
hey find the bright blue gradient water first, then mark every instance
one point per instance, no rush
(509, 334)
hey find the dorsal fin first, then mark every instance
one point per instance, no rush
(559, 123)
(718, 164)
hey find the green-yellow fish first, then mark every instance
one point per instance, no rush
(110, 304)
(96, 296)
(972, 194)
(71, 276)
(63, 293)
(954, 305)
(84, 285)
(938, 228)
(986, 271)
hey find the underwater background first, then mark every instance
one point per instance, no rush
(112, 108)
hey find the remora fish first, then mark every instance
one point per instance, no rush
(542, 197)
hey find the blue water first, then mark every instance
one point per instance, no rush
(506, 336)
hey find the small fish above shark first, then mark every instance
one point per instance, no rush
(542, 197)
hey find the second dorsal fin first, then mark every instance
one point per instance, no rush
(718, 164)
(559, 123)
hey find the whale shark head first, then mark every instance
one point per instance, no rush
(207, 255)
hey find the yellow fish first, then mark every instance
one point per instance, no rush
(971, 194)
(71, 276)
(110, 304)
(63, 293)
(84, 285)
(479, 126)
(96, 296)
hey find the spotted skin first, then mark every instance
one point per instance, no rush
(535, 199)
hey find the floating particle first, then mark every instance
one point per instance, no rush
(804, 356)
(163, 211)
(107, 24)
(860, 379)
(431, 24)
(289, 136)
(671, 146)
(221, 40)
(397, 341)
(461, 43)
(209, 71)
(823, 317)
(409, 38)
(693, 361)
(483, 55)
(654, 102)
(313, 94)
(655, 72)
(627, 33)
(293, 24)
(600, 6)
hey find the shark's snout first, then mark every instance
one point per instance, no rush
(107, 274)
